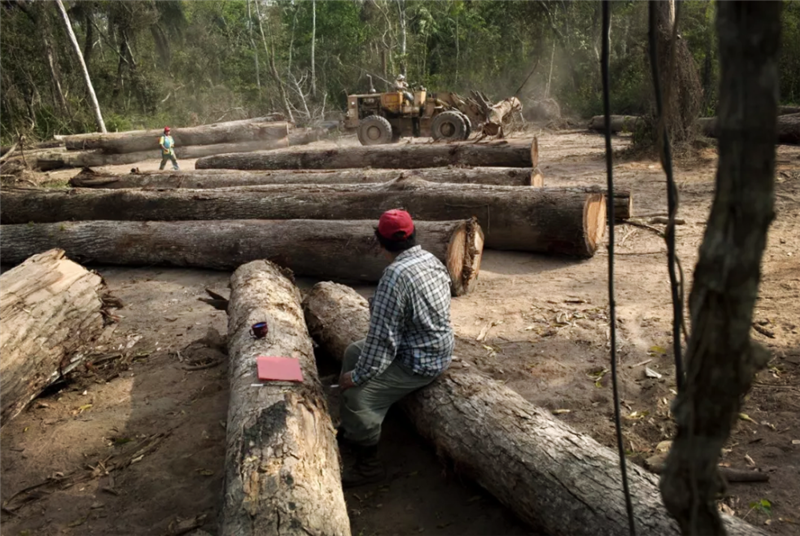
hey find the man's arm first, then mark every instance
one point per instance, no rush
(385, 322)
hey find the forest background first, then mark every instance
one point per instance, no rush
(183, 63)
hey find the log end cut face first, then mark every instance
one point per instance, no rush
(594, 221)
(464, 255)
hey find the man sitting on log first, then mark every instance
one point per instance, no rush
(410, 342)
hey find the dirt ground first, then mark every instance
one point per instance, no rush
(546, 336)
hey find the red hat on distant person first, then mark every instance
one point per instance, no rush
(166, 129)
(395, 225)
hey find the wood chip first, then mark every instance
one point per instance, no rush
(650, 373)
(749, 460)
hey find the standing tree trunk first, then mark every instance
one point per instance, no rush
(51, 308)
(95, 105)
(682, 92)
(340, 250)
(554, 478)
(721, 358)
(273, 69)
(282, 472)
(313, 48)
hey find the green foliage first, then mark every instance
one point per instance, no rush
(763, 506)
(156, 62)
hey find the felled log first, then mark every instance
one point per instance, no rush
(619, 123)
(50, 309)
(784, 110)
(339, 250)
(402, 156)
(231, 132)
(559, 481)
(547, 220)
(788, 128)
(500, 113)
(213, 178)
(282, 473)
(99, 158)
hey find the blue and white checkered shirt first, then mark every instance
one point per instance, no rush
(410, 318)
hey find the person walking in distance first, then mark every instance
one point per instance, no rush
(409, 344)
(167, 150)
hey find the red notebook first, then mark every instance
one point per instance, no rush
(279, 369)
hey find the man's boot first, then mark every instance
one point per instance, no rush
(368, 468)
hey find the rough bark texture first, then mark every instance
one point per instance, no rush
(788, 128)
(50, 308)
(683, 92)
(552, 477)
(339, 250)
(500, 114)
(619, 123)
(402, 156)
(544, 220)
(94, 158)
(248, 130)
(721, 358)
(213, 178)
(783, 110)
(282, 473)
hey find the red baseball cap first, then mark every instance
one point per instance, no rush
(166, 129)
(395, 225)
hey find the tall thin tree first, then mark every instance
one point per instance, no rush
(98, 116)
(313, 47)
(721, 359)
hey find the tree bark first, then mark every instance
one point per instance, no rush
(212, 178)
(406, 156)
(499, 114)
(231, 132)
(788, 128)
(62, 159)
(339, 250)
(619, 123)
(51, 309)
(546, 220)
(785, 110)
(98, 116)
(721, 359)
(282, 473)
(552, 477)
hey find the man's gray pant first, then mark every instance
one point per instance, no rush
(165, 157)
(363, 408)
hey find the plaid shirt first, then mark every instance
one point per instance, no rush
(410, 318)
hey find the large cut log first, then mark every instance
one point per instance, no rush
(340, 250)
(619, 123)
(554, 478)
(213, 178)
(547, 220)
(282, 473)
(403, 156)
(499, 114)
(232, 132)
(51, 310)
(788, 128)
(94, 158)
(784, 110)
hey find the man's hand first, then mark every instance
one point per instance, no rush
(346, 381)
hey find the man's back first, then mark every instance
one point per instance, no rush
(422, 284)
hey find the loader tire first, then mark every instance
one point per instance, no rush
(374, 130)
(449, 126)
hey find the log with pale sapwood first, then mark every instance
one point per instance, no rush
(558, 221)
(214, 178)
(619, 123)
(61, 159)
(340, 250)
(51, 310)
(231, 132)
(788, 128)
(401, 156)
(282, 472)
(554, 478)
